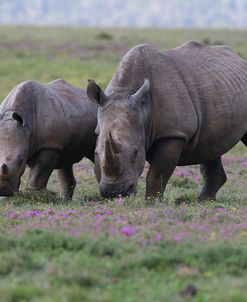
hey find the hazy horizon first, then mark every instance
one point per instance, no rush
(135, 13)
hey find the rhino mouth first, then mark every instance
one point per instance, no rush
(111, 191)
(6, 193)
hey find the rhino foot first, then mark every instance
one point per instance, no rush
(204, 197)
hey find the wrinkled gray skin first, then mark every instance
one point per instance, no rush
(183, 106)
(46, 127)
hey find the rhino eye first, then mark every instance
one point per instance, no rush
(20, 162)
(17, 117)
(135, 153)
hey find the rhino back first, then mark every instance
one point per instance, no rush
(66, 120)
(57, 116)
(198, 93)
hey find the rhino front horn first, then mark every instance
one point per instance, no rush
(115, 147)
(4, 170)
(112, 162)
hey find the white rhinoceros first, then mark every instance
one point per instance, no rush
(46, 127)
(183, 106)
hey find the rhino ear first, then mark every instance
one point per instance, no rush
(139, 97)
(95, 93)
(17, 117)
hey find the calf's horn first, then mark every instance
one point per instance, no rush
(4, 170)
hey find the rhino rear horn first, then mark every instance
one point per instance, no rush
(138, 96)
(95, 93)
(4, 170)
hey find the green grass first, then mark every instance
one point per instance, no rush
(51, 251)
(47, 53)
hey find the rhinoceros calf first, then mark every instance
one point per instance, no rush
(183, 106)
(46, 127)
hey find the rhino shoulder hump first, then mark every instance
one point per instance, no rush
(141, 48)
(25, 88)
(28, 84)
(60, 84)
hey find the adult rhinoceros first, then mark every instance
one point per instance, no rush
(183, 106)
(46, 127)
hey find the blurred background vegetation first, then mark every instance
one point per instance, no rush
(76, 54)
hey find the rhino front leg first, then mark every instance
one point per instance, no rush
(41, 168)
(67, 182)
(163, 159)
(214, 177)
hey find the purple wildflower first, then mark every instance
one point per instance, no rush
(13, 214)
(49, 212)
(120, 200)
(244, 163)
(158, 237)
(214, 219)
(63, 214)
(99, 215)
(182, 172)
(72, 211)
(128, 231)
(108, 212)
(34, 213)
(181, 236)
(196, 178)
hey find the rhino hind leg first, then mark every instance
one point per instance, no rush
(214, 178)
(67, 182)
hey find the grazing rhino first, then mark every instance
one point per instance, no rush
(183, 106)
(46, 127)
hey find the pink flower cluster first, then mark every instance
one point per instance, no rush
(128, 231)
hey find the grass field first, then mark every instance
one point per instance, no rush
(121, 250)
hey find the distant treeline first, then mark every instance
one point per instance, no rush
(157, 13)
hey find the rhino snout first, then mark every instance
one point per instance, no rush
(110, 191)
(9, 182)
(6, 191)
(8, 188)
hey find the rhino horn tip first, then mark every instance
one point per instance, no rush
(4, 170)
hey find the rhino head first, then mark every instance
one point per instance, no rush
(13, 151)
(120, 151)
